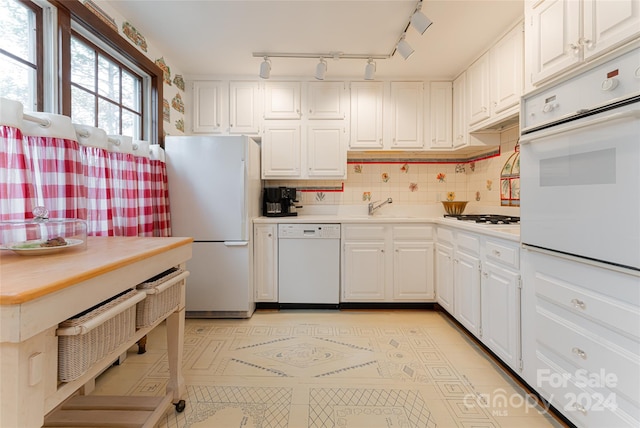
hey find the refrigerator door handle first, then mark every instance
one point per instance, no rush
(236, 243)
(243, 212)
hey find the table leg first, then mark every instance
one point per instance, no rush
(175, 347)
(142, 345)
(25, 372)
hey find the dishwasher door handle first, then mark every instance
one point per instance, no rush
(236, 243)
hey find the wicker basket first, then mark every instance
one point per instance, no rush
(91, 335)
(163, 296)
(454, 207)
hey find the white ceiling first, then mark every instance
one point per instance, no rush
(214, 37)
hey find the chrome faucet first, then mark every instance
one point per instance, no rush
(373, 207)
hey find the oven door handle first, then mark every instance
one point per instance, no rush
(570, 127)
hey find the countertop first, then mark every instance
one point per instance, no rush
(509, 232)
(26, 278)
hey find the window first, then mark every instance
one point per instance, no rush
(92, 73)
(104, 92)
(21, 53)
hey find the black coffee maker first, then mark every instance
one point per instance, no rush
(279, 202)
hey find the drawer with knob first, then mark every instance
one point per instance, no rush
(589, 293)
(586, 346)
(586, 401)
(503, 253)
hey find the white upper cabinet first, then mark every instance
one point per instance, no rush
(607, 23)
(494, 83)
(222, 107)
(459, 119)
(244, 107)
(562, 33)
(311, 143)
(366, 115)
(506, 70)
(281, 149)
(327, 100)
(326, 149)
(440, 112)
(557, 47)
(210, 100)
(282, 100)
(478, 84)
(407, 115)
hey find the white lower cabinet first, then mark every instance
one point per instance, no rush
(363, 271)
(466, 281)
(500, 311)
(413, 270)
(466, 286)
(387, 263)
(265, 262)
(478, 283)
(444, 275)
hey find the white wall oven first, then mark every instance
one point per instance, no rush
(580, 228)
(580, 165)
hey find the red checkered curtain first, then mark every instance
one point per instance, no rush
(145, 189)
(97, 177)
(124, 186)
(160, 192)
(16, 190)
(55, 164)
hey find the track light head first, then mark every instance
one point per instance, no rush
(404, 48)
(265, 68)
(370, 70)
(321, 69)
(420, 22)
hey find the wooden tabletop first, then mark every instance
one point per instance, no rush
(24, 278)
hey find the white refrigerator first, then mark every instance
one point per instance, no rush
(214, 194)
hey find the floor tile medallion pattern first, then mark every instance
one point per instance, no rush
(320, 369)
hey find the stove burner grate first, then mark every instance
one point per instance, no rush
(486, 218)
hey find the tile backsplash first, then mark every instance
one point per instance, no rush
(412, 183)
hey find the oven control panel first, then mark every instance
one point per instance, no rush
(612, 81)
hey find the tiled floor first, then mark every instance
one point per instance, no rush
(350, 369)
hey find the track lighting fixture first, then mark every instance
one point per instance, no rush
(404, 48)
(265, 68)
(370, 70)
(321, 69)
(419, 21)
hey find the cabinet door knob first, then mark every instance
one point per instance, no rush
(578, 304)
(485, 274)
(496, 253)
(588, 43)
(574, 48)
(269, 235)
(580, 408)
(580, 353)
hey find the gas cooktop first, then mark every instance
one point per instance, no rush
(486, 218)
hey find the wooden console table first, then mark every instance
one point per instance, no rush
(39, 292)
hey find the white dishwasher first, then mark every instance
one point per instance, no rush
(309, 265)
